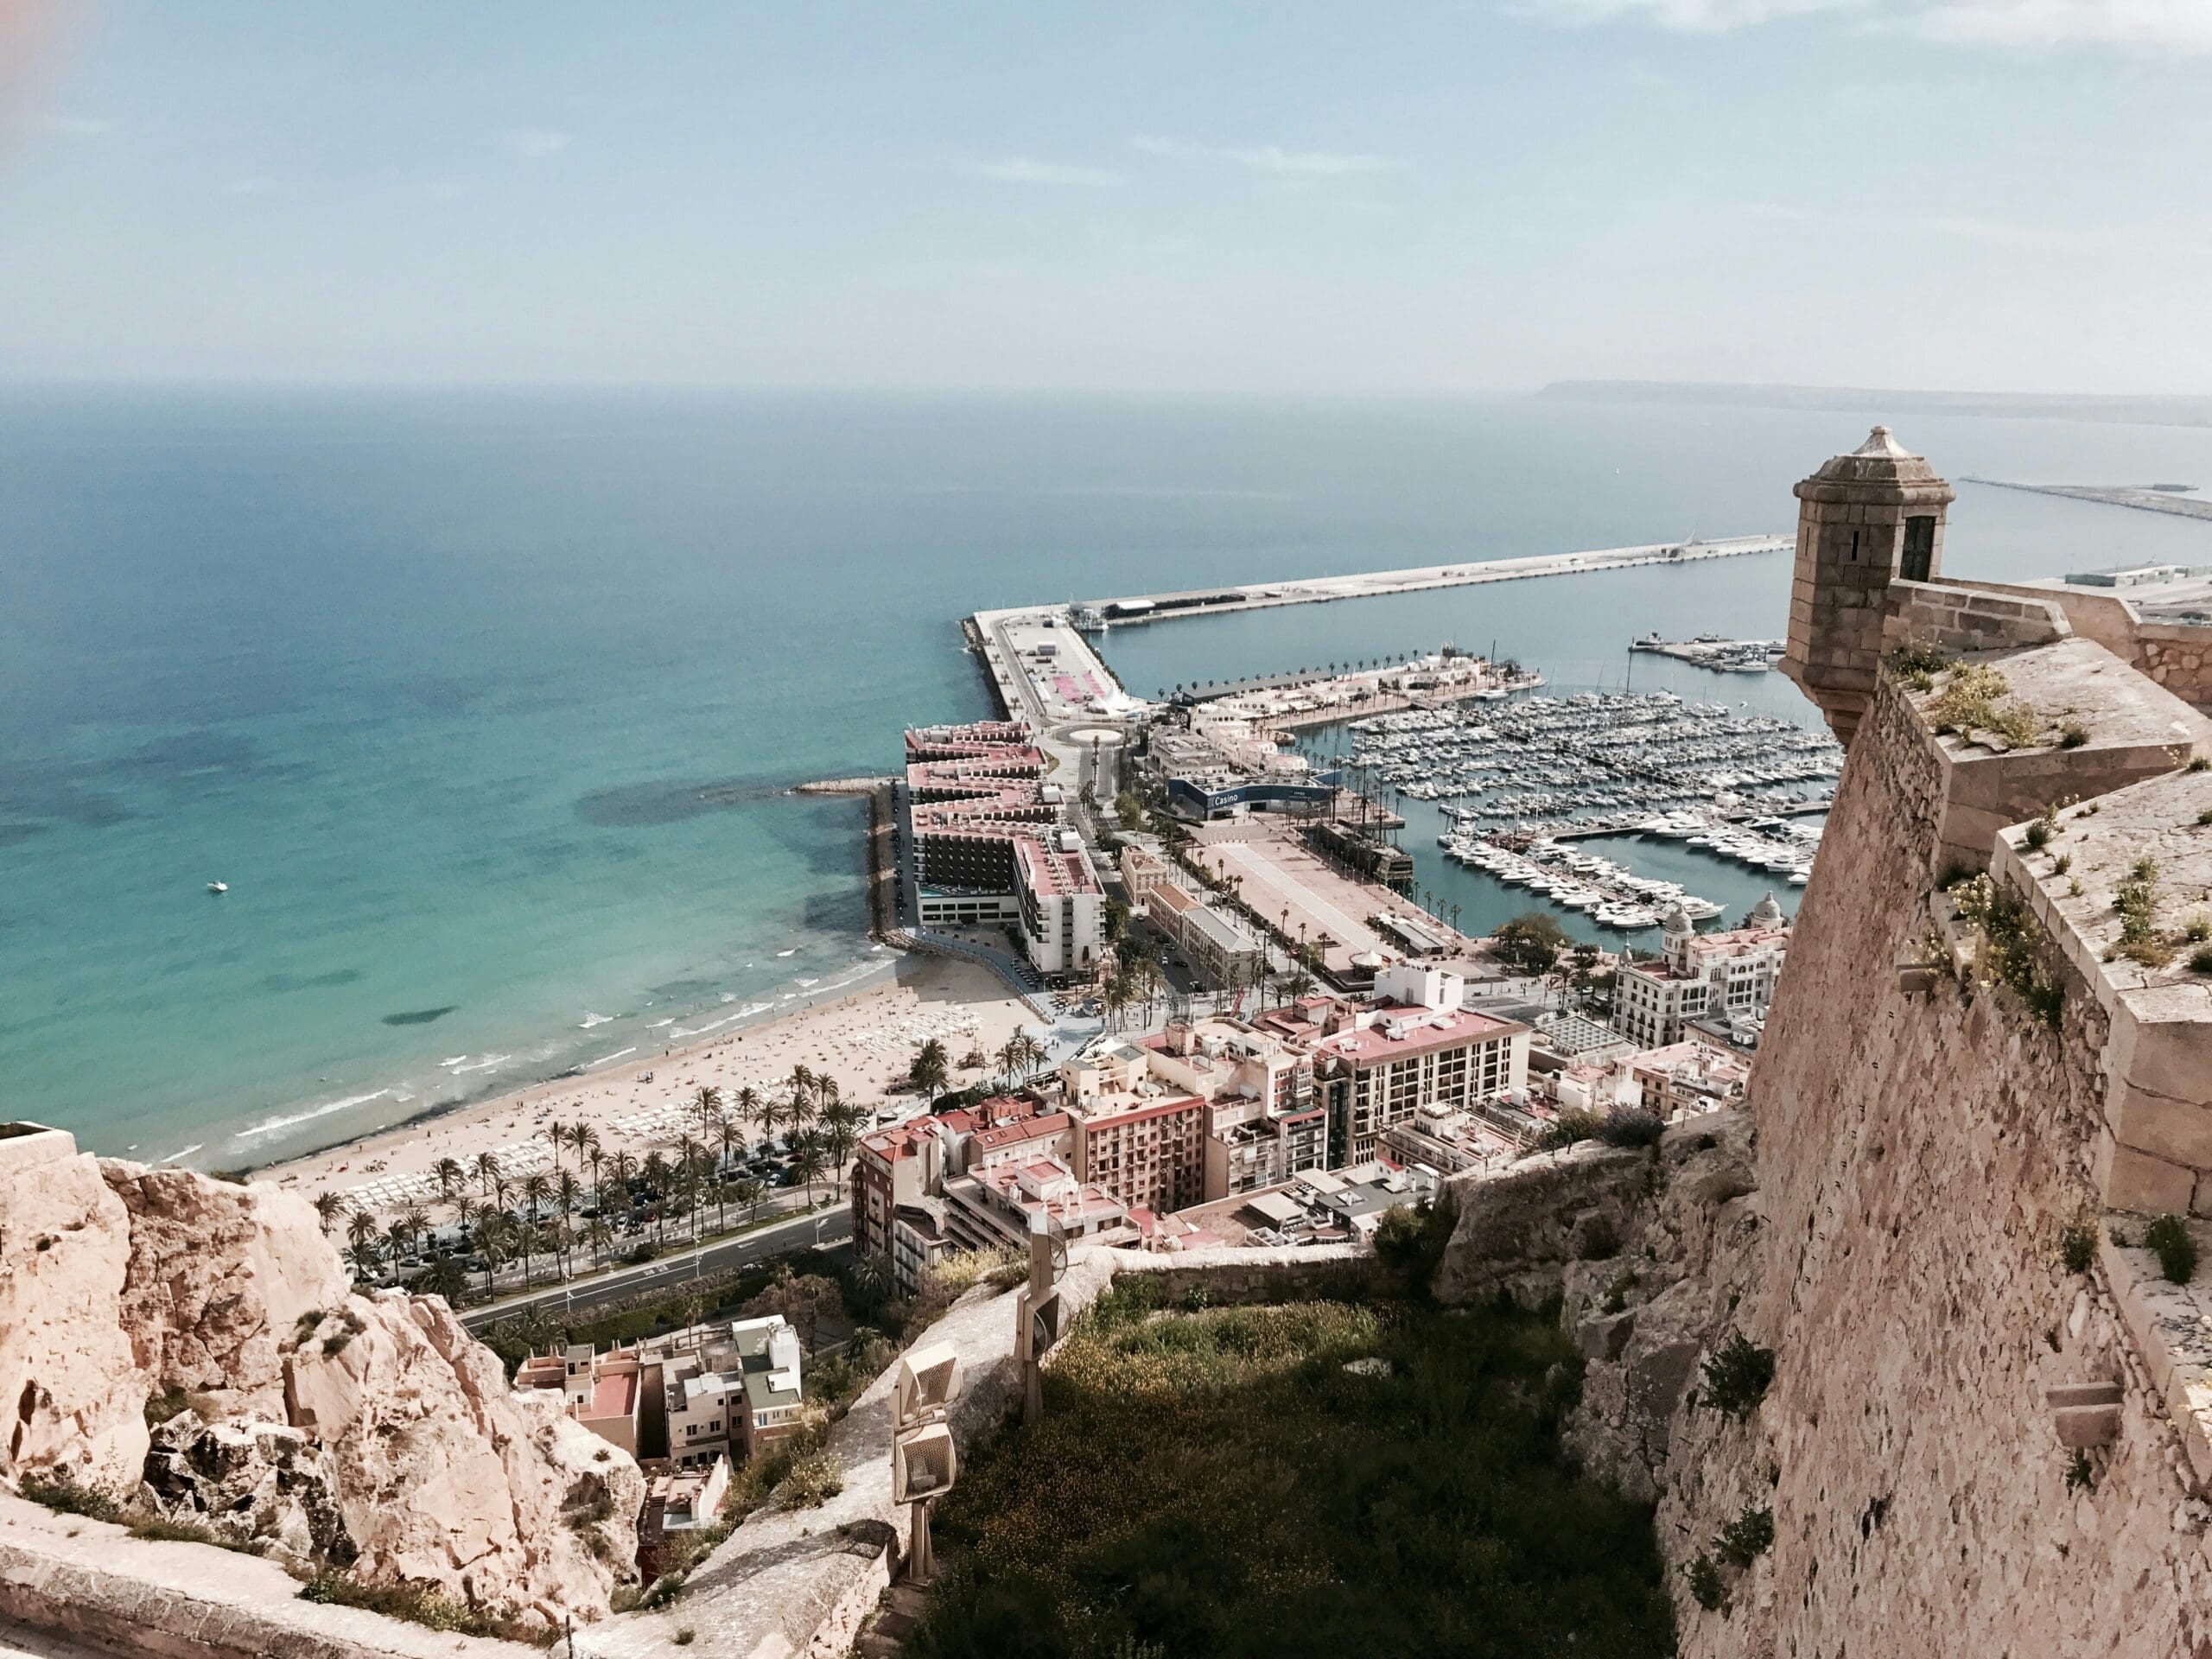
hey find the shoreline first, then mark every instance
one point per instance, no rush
(863, 1034)
(803, 1002)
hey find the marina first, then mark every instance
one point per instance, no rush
(1515, 783)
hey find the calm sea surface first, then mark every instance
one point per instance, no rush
(484, 704)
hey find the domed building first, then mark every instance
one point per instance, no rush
(1727, 976)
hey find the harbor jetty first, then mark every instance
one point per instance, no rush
(1099, 614)
(1710, 650)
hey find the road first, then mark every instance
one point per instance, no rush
(826, 1227)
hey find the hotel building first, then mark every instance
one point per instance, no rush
(1728, 975)
(986, 846)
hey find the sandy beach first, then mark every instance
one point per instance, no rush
(866, 1040)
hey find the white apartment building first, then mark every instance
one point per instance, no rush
(740, 1390)
(1729, 974)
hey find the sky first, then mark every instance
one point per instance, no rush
(1997, 195)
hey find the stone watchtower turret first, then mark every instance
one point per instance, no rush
(1867, 518)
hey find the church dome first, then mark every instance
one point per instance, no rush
(1765, 913)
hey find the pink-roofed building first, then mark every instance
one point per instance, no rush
(617, 1389)
(1394, 1060)
(997, 1208)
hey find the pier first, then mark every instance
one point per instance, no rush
(1247, 596)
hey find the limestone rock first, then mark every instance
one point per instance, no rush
(445, 1476)
(1521, 1228)
(219, 1274)
(71, 1396)
(251, 1481)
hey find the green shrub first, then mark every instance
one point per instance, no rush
(2013, 952)
(2198, 929)
(2073, 735)
(2038, 835)
(1705, 1587)
(2200, 960)
(814, 1479)
(1572, 1126)
(2197, 763)
(2062, 863)
(684, 1637)
(2136, 902)
(1913, 658)
(1976, 698)
(1738, 1375)
(1410, 1242)
(61, 1492)
(2077, 1244)
(2168, 1239)
(418, 1604)
(1633, 1127)
(1749, 1536)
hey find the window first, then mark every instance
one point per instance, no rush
(1919, 549)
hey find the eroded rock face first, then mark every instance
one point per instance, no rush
(371, 1435)
(1522, 1229)
(252, 1481)
(446, 1475)
(219, 1274)
(72, 1396)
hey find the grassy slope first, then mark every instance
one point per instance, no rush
(1217, 1484)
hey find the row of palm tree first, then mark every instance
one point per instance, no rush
(502, 1218)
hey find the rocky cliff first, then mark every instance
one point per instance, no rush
(370, 1435)
(1988, 1426)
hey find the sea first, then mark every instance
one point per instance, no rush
(487, 706)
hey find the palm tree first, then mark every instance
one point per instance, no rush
(585, 1140)
(931, 1069)
(365, 1258)
(536, 1193)
(726, 1135)
(568, 1197)
(808, 1160)
(465, 1210)
(360, 1227)
(621, 1167)
(655, 1171)
(748, 1105)
(707, 1100)
(328, 1205)
(405, 1231)
(490, 1239)
(748, 1190)
(557, 1133)
(598, 1235)
(689, 1156)
(450, 1176)
(486, 1168)
(442, 1277)
(841, 1131)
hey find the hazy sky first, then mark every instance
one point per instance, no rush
(1985, 194)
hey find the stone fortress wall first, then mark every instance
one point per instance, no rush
(1970, 1445)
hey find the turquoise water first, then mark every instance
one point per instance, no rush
(484, 704)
